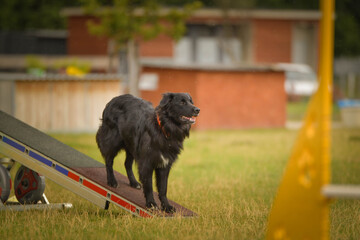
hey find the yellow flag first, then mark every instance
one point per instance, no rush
(299, 210)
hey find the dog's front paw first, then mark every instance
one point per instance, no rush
(168, 209)
(112, 183)
(152, 206)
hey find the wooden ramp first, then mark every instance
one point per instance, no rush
(73, 170)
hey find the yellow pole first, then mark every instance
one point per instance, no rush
(325, 77)
(299, 210)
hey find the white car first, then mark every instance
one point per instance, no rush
(300, 79)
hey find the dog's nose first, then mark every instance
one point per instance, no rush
(197, 110)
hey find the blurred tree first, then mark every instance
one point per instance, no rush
(33, 14)
(44, 14)
(125, 22)
(288, 4)
(347, 28)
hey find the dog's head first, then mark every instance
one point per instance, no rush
(179, 107)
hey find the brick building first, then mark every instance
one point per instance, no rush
(228, 97)
(227, 68)
(249, 36)
(215, 62)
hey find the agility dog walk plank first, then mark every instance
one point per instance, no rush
(72, 169)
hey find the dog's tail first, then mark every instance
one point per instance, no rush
(109, 119)
(111, 112)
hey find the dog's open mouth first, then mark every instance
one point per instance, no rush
(191, 120)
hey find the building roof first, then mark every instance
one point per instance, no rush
(212, 67)
(238, 14)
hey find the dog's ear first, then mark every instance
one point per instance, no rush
(167, 97)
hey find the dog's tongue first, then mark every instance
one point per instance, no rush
(191, 119)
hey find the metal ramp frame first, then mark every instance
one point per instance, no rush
(73, 170)
(44, 205)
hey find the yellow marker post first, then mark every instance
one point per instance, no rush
(300, 211)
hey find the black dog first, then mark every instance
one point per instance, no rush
(154, 137)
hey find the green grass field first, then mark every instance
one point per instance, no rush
(228, 177)
(296, 110)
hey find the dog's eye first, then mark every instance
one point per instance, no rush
(183, 102)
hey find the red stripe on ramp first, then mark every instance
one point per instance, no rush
(123, 203)
(73, 176)
(94, 188)
(144, 214)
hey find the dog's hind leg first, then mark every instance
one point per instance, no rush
(128, 166)
(109, 144)
(111, 181)
(162, 175)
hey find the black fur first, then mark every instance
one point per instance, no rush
(132, 124)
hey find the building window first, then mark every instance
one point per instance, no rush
(212, 44)
(231, 50)
(304, 44)
(183, 51)
(207, 50)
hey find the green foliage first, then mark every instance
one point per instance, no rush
(33, 61)
(347, 37)
(33, 14)
(347, 25)
(34, 65)
(122, 20)
(84, 66)
(288, 4)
